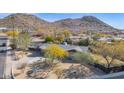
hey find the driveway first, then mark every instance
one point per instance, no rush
(2, 63)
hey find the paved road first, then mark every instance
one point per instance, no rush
(2, 62)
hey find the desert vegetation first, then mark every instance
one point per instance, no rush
(55, 52)
(68, 48)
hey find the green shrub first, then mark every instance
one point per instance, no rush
(49, 39)
(84, 42)
(83, 57)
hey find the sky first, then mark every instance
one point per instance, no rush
(114, 19)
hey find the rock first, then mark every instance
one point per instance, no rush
(29, 73)
(38, 70)
(75, 72)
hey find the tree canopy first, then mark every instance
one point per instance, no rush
(110, 52)
(23, 40)
(13, 33)
(55, 52)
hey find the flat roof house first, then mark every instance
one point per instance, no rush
(4, 42)
(3, 29)
(67, 47)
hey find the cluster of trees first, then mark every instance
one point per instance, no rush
(56, 52)
(59, 37)
(110, 52)
(23, 40)
(19, 40)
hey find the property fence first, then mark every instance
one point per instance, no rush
(109, 70)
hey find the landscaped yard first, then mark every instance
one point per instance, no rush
(77, 67)
(60, 70)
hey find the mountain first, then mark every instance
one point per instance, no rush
(24, 21)
(86, 23)
(33, 23)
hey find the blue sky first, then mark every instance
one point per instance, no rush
(114, 19)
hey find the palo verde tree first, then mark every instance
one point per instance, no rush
(13, 33)
(110, 52)
(13, 37)
(66, 33)
(55, 52)
(24, 40)
(59, 39)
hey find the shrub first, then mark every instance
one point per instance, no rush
(49, 39)
(59, 39)
(13, 33)
(84, 42)
(83, 57)
(58, 71)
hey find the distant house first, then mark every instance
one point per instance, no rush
(105, 39)
(3, 29)
(118, 38)
(4, 42)
(79, 37)
(37, 40)
(109, 40)
(121, 35)
(67, 47)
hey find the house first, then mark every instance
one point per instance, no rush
(105, 39)
(3, 29)
(4, 42)
(37, 40)
(69, 48)
(79, 37)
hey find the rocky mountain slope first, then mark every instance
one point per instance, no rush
(86, 23)
(33, 23)
(24, 21)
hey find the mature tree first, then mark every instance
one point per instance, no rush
(59, 39)
(13, 37)
(66, 33)
(110, 52)
(55, 52)
(24, 40)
